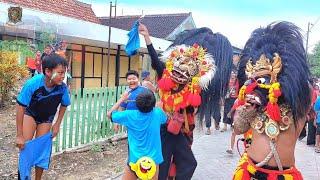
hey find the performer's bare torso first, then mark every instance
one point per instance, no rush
(286, 142)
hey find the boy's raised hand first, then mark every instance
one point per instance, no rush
(124, 96)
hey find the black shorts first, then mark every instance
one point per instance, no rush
(38, 120)
(318, 129)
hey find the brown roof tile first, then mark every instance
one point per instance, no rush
(159, 25)
(70, 8)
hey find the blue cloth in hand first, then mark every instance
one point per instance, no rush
(36, 152)
(133, 43)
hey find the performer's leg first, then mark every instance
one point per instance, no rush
(311, 136)
(189, 138)
(317, 147)
(225, 118)
(217, 116)
(184, 158)
(318, 138)
(232, 141)
(42, 129)
(172, 170)
(303, 132)
(168, 141)
(207, 119)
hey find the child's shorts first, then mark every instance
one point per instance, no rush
(39, 120)
(318, 129)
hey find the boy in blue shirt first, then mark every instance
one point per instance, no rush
(317, 124)
(134, 90)
(38, 102)
(143, 129)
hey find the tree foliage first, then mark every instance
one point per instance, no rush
(46, 38)
(22, 48)
(11, 71)
(13, 54)
(314, 60)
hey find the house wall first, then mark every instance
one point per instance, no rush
(96, 65)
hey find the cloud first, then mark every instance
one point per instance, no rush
(236, 28)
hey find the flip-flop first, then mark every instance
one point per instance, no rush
(223, 130)
(229, 151)
(317, 150)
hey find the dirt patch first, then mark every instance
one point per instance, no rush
(8, 152)
(99, 161)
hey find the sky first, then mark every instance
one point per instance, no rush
(235, 19)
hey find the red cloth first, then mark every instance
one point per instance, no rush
(31, 63)
(244, 173)
(237, 104)
(38, 65)
(314, 96)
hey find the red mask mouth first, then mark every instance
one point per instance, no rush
(179, 76)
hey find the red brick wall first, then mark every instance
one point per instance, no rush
(70, 8)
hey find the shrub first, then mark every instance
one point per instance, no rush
(10, 74)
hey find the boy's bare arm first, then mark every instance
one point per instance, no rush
(150, 86)
(19, 123)
(62, 110)
(116, 106)
(56, 126)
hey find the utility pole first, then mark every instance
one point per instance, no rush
(309, 24)
(109, 37)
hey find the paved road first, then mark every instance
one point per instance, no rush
(214, 163)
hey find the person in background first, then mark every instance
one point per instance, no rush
(31, 66)
(317, 124)
(38, 63)
(146, 81)
(311, 117)
(231, 96)
(47, 51)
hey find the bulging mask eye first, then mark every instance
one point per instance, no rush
(261, 80)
